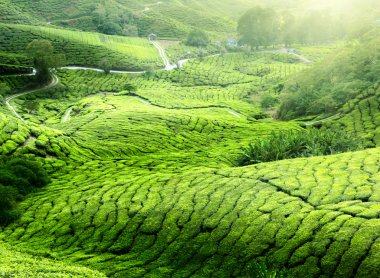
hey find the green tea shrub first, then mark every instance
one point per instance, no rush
(300, 143)
(261, 270)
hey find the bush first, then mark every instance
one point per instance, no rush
(18, 177)
(8, 197)
(293, 144)
(261, 270)
(268, 101)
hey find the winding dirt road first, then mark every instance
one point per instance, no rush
(8, 100)
(167, 66)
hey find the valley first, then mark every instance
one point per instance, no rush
(141, 142)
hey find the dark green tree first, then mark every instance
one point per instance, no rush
(42, 53)
(197, 38)
(111, 28)
(258, 27)
(106, 65)
(288, 29)
(4, 88)
(31, 106)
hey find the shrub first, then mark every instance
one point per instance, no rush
(293, 144)
(18, 177)
(8, 196)
(268, 101)
(261, 270)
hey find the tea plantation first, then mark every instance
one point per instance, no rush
(80, 48)
(142, 166)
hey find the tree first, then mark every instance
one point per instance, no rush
(31, 106)
(18, 177)
(111, 28)
(105, 65)
(197, 38)
(42, 53)
(258, 27)
(129, 87)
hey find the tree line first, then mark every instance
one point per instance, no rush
(263, 27)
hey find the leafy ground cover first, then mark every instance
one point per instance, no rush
(170, 19)
(214, 83)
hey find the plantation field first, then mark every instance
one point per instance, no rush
(128, 221)
(219, 83)
(144, 183)
(80, 48)
(168, 19)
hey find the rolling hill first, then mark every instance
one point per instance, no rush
(144, 181)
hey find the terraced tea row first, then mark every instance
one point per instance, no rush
(13, 134)
(132, 128)
(317, 216)
(234, 68)
(361, 116)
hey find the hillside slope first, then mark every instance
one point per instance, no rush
(334, 81)
(80, 48)
(315, 216)
(168, 18)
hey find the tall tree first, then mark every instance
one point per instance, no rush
(258, 27)
(44, 58)
(197, 38)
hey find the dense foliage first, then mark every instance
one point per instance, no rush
(327, 86)
(4, 89)
(292, 144)
(197, 38)
(258, 27)
(18, 177)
